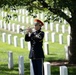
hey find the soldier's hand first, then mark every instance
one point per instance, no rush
(29, 30)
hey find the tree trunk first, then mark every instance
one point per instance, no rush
(72, 50)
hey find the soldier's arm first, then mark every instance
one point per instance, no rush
(27, 37)
(39, 37)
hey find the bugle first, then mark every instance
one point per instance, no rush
(24, 30)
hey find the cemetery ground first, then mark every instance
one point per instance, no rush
(55, 54)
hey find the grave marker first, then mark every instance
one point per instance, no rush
(15, 41)
(63, 70)
(22, 42)
(51, 26)
(47, 68)
(46, 36)
(3, 37)
(53, 37)
(46, 48)
(9, 39)
(10, 60)
(61, 38)
(21, 65)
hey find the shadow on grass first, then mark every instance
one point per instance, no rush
(55, 69)
(5, 71)
(51, 57)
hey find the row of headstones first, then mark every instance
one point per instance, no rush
(66, 49)
(57, 28)
(53, 38)
(9, 38)
(25, 19)
(17, 30)
(20, 18)
(14, 27)
(22, 44)
(25, 12)
(46, 38)
(10, 27)
(47, 66)
(20, 11)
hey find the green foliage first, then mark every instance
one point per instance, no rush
(54, 6)
(54, 9)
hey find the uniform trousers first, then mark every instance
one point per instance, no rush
(37, 66)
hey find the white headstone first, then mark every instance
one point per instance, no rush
(5, 26)
(38, 15)
(15, 18)
(9, 27)
(19, 18)
(46, 25)
(22, 42)
(23, 19)
(20, 11)
(1, 24)
(57, 27)
(69, 29)
(15, 41)
(31, 21)
(27, 20)
(4, 37)
(47, 68)
(18, 28)
(63, 28)
(51, 26)
(66, 52)
(31, 68)
(12, 18)
(26, 12)
(29, 45)
(17, 11)
(13, 27)
(23, 11)
(46, 36)
(2, 13)
(10, 60)
(5, 14)
(21, 65)
(63, 70)
(46, 48)
(61, 38)
(65, 22)
(53, 36)
(9, 39)
(68, 40)
(42, 15)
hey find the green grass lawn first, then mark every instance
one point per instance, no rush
(56, 52)
(17, 51)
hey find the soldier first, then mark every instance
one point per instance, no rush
(36, 52)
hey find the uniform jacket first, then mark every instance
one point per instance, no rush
(36, 41)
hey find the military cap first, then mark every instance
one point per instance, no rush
(39, 21)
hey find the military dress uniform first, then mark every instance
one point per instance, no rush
(36, 52)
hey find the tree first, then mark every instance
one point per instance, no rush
(55, 7)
